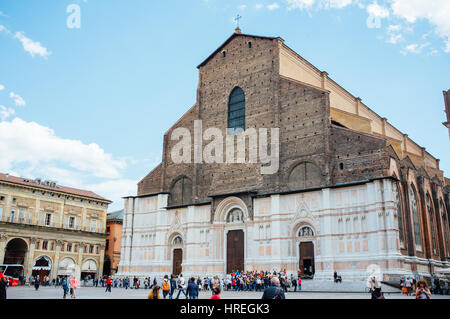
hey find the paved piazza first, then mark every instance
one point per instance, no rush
(120, 293)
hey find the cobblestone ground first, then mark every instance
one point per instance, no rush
(119, 293)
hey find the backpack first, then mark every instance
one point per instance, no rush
(166, 286)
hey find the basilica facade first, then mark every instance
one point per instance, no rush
(352, 193)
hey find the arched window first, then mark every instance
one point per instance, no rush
(431, 212)
(415, 215)
(446, 228)
(235, 216)
(398, 203)
(305, 175)
(177, 240)
(305, 231)
(236, 110)
(181, 192)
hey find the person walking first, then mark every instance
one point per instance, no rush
(181, 286)
(108, 284)
(192, 289)
(173, 285)
(73, 287)
(64, 286)
(422, 290)
(274, 291)
(37, 282)
(166, 286)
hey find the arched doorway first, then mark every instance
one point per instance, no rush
(67, 267)
(89, 269)
(177, 255)
(15, 252)
(306, 252)
(235, 251)
(42, 267)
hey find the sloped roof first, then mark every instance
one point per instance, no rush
(234, 35)
(115, 215)
(62, 189)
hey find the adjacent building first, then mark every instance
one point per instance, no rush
(447, 109)
(51, 229)
(114, 222)
(352, 194)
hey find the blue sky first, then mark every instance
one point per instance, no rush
(88, 106)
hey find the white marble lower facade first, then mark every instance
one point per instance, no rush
(353, 229)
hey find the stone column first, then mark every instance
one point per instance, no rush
(3, 238)
(30, 256)
(55, 266)
(102, 259)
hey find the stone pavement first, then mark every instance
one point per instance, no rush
(120, 293)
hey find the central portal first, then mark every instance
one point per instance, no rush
(306, 262)
(235, 251)
(177, 260)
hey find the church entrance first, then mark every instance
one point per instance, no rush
(177, 261)
(306, 262)
(15, 252)
(235, 251)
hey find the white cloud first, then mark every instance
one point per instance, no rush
(6, 112)
(2, 87)
(114, 190)
(18, 100)
(2, 28)
(32, 145)
(300, 4)
(337, 4)
(437, 12)
(273, 6)
(375, 10)
(259, 6)
(415, 48)
(32, 47)
(242, 7)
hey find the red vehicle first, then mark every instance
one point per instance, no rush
(13, 273)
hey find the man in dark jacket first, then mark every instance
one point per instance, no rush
(192, 289)
(274, 291)
(3, 284)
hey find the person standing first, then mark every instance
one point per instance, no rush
(166, 286)
(154, 294)
(274, 291)
(376, 288)
(294, 283)
(216, 293)
(215, 284)
(422, 291)
(408, 285)
(192, 289)
(74, 286)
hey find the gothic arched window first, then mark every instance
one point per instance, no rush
(235, 216)
(236, 110)
(177, 240)
(305, 231)
(431, 212)
(415, 215)
(445, 226)
(305, 175)
(181, 192)
(398, 203)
